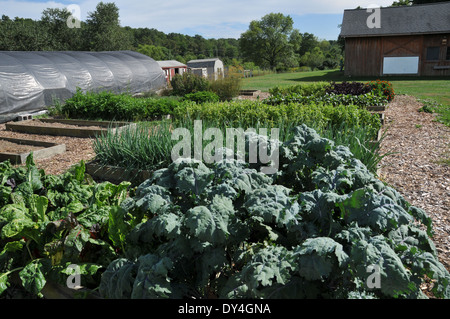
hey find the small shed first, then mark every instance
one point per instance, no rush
(406, 40)
(171, 68)
(214, 67)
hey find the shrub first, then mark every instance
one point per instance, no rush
(226, 88)
(202, 97)
(186, 83)
(382, 88)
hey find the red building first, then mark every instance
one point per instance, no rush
(171, 68)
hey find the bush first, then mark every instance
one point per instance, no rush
(202, 97)
(382, 88)
(226, 88)
(186, 83)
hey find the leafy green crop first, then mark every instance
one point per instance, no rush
(48, 223)
(322, 227)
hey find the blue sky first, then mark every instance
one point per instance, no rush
(208, 18)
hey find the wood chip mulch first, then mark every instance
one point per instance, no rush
(77, 149)
(416, 167)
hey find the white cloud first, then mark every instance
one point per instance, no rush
(213, 18)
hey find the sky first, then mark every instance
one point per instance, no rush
(208, 18)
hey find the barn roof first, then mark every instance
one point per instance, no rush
(202, 63)
(171, 64)
(404, 20)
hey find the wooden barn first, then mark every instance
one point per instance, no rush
(406, 40)
(172, 67)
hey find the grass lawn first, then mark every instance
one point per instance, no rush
(434, 88)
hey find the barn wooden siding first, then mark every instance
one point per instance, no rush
(364, 55)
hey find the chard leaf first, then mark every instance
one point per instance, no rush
(34, 274)
(117, 227)
(4, 284)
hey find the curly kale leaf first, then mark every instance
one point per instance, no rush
(318, 258)
(379, 212)
(273, 204)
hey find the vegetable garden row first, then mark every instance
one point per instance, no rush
(315, 229)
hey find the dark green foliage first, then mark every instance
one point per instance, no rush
(49, 222)
(353, 88)
(227, 87)
(187, 82)
(109, 106)
(316, 229)
(202, 97)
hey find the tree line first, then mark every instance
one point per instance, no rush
(102, 32)
(269, 43)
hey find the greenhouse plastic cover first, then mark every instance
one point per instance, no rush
(30, 81)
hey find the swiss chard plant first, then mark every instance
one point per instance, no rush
(321, 227)
(49, 222)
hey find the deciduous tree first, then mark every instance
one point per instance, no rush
(267, 41)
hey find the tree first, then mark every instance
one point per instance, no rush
(314, 59)
(104, 32)
(266, 42)
(399, 3)
(157, 53)
(23, 35)
(61, 37)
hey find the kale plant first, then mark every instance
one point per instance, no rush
(322, 227)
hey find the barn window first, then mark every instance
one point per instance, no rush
(433, 53)
(448, 53)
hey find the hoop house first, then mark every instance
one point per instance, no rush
(30, 81)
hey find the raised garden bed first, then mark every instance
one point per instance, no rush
(380, 108)
(116, 174)
(250, 92)
(17, 150)
(59, 127)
